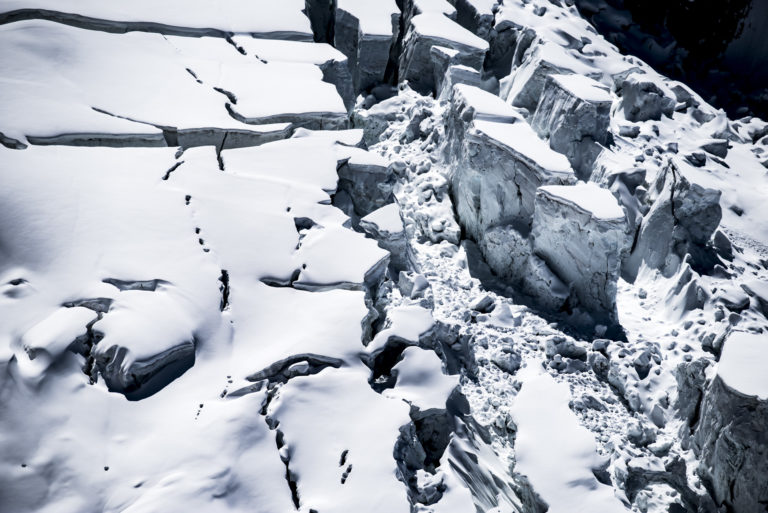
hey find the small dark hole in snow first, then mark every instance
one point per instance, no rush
(106, 468)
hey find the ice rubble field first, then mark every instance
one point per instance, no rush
(423, 256)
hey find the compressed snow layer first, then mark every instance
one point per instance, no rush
(375, 17)
(521, 138)
(234, 16)
(420, 380)
(437, 25)
(584, 87)
(742, 364)
(587, 196)
(386, 219)
(555, 452)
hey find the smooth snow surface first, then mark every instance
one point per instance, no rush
(555, 452)
(587, 196)
(742, 364)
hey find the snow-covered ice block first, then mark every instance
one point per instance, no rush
(469, 103)
(682, 218)
(406, 325)
(420, 380)
(386, 226)
(333, 64)
(367, 178)
(434, 29)
(46, 341)
(574, 114)
(457, 74)
(117, 223)
(523, 88)
(337, 257)
(495, 180)
(366, 32)
(259, 18)
(731, 428)
(645, 97)
(579, 231)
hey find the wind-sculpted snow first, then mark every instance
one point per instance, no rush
(418, 256)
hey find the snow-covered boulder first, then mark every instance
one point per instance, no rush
(644, 97)
(681, 220)
(365, 32)
(385, 225)
(574, 114)
(579, 232)
(434, 29)
(523, 88)
(730, 438)
(458, 74)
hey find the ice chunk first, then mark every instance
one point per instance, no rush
(681, 220)
(386, 226)
(45, 342)
(574, 114)
(523, 88)
(101, 95)
(434, 29)
(495, 180)
(420, 380)
(337, 257)
(365, 32)
(367, 178)
(645, 97)
(333, 64)
(476, 16)
(579, 232)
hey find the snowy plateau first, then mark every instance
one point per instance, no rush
(371, 256)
